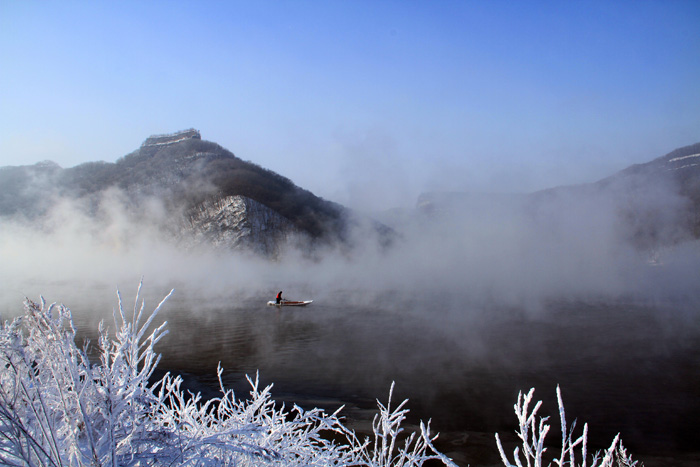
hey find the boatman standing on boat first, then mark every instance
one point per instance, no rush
(279, 297)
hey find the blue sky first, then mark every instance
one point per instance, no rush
(367, 103)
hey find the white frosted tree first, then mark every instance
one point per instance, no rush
(60, 408)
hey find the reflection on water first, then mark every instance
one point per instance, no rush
(623, 367)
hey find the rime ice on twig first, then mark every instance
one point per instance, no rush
(532, 435)
(56, 407)
(384, 451)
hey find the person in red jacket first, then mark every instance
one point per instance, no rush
(279, 298)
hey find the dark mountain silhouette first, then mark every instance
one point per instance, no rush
(212, 195)
(678, 172)
(190, 171)
(658, 201)
(656, 204)
(189, 175)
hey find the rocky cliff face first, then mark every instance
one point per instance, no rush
(238, 222)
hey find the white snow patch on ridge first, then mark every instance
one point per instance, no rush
(685, 166)
(172, 141)
(675, 159)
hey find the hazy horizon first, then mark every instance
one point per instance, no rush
(568, 246)
(361, 103)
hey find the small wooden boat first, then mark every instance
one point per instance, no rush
(289, 303)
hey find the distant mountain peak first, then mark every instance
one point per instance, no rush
(683, 158)
(47, 164)
(171, 138)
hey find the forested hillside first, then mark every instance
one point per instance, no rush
(184, 172)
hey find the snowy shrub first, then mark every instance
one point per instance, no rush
(60, 408)
(385, 450)
(57, 407)
(532, 433)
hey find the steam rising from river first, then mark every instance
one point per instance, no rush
(493, 253)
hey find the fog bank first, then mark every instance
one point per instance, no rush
(514, 253)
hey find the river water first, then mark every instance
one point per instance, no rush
(623, 366)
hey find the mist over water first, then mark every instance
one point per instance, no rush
(462, 312)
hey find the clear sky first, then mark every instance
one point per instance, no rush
(366, 103)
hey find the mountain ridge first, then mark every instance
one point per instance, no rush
(186, 173)
(221, 199)
(657, 203)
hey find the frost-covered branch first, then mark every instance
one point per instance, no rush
(532, 433)
(385, 449)
(58, 408)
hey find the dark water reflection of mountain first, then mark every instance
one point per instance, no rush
(627, 367)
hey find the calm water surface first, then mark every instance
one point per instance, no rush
(623, 367)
